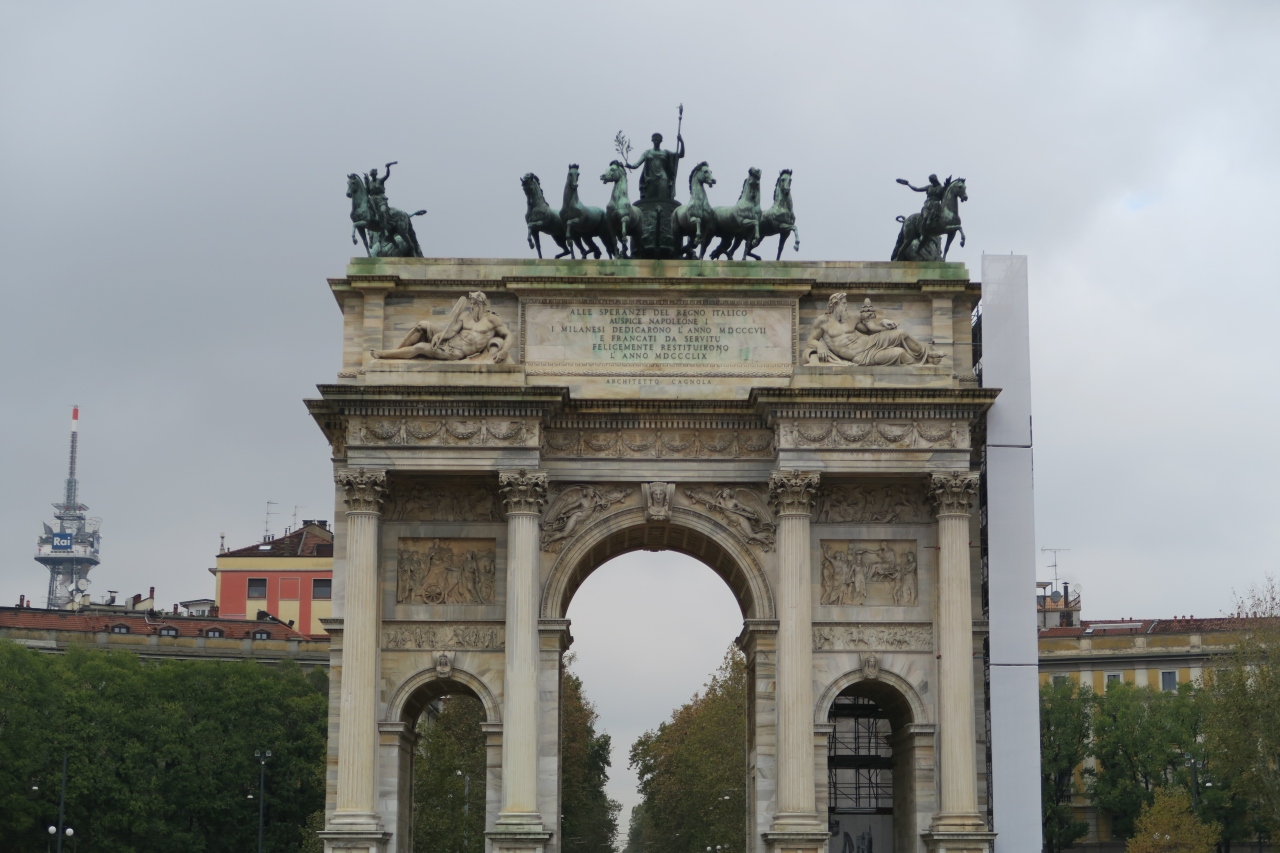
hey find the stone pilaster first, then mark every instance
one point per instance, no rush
(796, 826)
(519, 825)
(957, 825)
(355, 824)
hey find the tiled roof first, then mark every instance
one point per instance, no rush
(309, 541)
(139, 622)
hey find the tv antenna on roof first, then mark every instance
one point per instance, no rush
(266, 524)
(296, 507)
(1054, 564)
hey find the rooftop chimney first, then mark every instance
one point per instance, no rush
(22, 600)
(152, 593)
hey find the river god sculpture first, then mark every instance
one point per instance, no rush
(473, 328)
(838, 337)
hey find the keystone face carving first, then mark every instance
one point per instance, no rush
(953, 494)
(657, 500)
(792, 493)
(523, 491)
(364, 488)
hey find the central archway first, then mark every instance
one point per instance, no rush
(688, 532)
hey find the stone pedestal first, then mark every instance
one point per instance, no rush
(657, 240)
(796, 825)
(957, 825)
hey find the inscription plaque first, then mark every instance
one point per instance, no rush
(646, 337)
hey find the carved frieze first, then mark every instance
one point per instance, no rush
(363, 488)
(575, 506)
(954, 494)
(856, 570)
(454, 499)
(445, 571)
(861, 503)
(741, 508)
(792, 492)
(875, 435)
(523, 491)
(658, 444)
(443, 635)
(442, 432)
(885, 637)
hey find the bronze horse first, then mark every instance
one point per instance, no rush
(696, 219)
(921, 241)
(740, 224)
(539, 218)
(394, 238)
(623, 216)
(582, 223)
(781, 218)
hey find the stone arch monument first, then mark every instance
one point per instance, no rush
(500, 429)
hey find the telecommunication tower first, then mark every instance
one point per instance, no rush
(70, 550)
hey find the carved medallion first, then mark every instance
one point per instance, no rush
(454, 499)
(742, 509)
(446, 571)
(575, 506)
(862, 503)
(876, 572)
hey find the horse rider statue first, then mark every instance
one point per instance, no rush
(377, 189)
(931, 213)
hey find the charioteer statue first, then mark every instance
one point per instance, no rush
(658, 180)
(657, 193)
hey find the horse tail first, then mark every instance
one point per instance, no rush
(419, 213)
(900, 219)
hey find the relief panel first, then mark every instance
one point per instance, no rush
(869, 572)
(445, 571)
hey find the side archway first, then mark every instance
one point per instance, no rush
(426, 686)
(688, 532)
(889, 690)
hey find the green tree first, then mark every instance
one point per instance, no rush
(589, 822)
(1168, 825)
(1242, 709)
(692, 771)
(160, 756)
(1064, 745)
(449, 778)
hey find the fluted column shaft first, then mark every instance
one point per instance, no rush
(358, 733)
(792, 495)
(953, 495)
(524, 494)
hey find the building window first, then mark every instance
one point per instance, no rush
(1059, 680)
(1169, 681)
(119, 629)
(262, 635)
(213, 632)
(1112, 678)
(168, 632)
(257, 587)
(322, 588)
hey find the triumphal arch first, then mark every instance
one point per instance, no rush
(501, 428)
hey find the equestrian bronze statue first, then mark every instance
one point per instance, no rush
(385, 231)
(920, 237)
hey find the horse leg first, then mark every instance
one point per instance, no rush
(591, 244)
(782, 241)
(795, 243)
(565, 248)
(951, 235)
(961, 230)
(535, 237)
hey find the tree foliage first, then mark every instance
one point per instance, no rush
(1064, 743)
(589, 822)
(449, 778)
(1168, 825)
(693, 770)
(160, 756)
(1243, 708)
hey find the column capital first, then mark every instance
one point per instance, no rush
(954, 493)
(364, 488)
(792, 492)
(523, 492)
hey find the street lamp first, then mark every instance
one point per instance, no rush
(262, 789)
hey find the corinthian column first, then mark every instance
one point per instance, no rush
(523, 493)
(954, 494)
(357, 727)
(792, 495)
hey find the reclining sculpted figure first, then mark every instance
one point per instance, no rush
(472, 327)
(839, 337)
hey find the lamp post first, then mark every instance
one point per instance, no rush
(262, 790)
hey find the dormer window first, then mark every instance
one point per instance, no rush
(167, 631)
(119, 629)
(262, 635)
(213, 632)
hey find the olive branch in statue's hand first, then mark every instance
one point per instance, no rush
(623, 146)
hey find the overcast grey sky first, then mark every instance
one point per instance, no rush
(174, 179)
